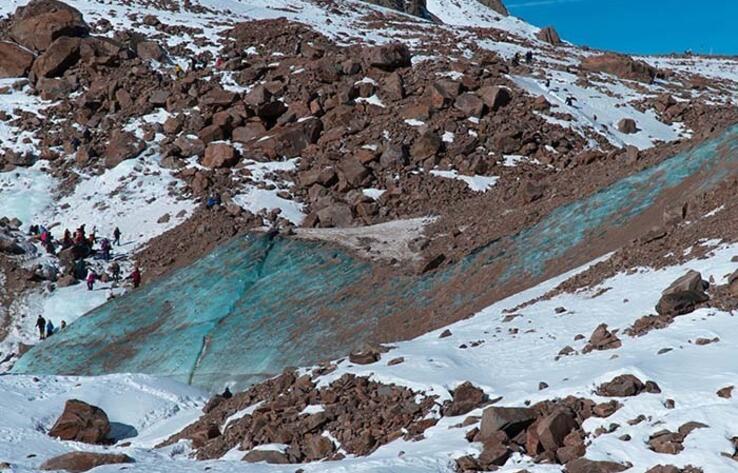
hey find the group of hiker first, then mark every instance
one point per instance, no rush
(46, 327)
(81, 244)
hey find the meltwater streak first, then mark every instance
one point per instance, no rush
(257, 305)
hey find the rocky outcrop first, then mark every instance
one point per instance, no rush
(38, 24)
(495, 5)
(75, 462)
(62, 54)
(584, 465)
(15, 61)
(621, 66)
(361, 415)
(81, 422)
(602, 339)
(683, 295)
(549, 432)
(549, 35)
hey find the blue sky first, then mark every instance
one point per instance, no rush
(638, 26)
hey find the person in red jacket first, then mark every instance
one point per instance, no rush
(136, 277)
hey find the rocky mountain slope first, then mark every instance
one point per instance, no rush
(415, 137)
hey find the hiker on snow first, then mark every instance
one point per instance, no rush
(105, 247)
(136, 277)
(91, 276)
(41, 325)
(114, 269)
(116, 236)
(49, 328)
(213, 200)
(67, 241)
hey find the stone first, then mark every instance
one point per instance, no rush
(60, 56)
(122, 146)
(470, 105)
(625, 385)
(465, 398)
(683, 295)
(337, 214)
(365, 356)
(549, 35)
(388, 56)
(425, 146)
(553, 428)
(495, 97)
(354, 172)
(584, 465)
(267, 456)
(393, 155)
(41, 22)
(289, 140)
(249, 132)
(511, 420)
(726, 392)
(494, 454)
(220, 155)
(82, 461)
(602, 339)
(150, 50)
(81, 422)
(211, 133)
(15, 61)
(627, 126)
(621, 66)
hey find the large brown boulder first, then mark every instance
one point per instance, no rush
(511, 420)
(41, 22)
(290, 140)
(15, 61)
(388, 56)
(61, 55)
(122, 146)
(683, 295)
(266, 456)
(220, 155)
(621, 66)
(466, 397)
(81, 422)
(553, 428)
(625, 385)
(82, 461)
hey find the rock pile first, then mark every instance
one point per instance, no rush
(360, 415)
(550, 432)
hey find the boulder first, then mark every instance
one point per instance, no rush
(511, 420)
(583, 465)
(553, 428)
(625, 385)
(81, 422)
(549, 35)
(466, 397)
(9, 246)
(354, 172)
(82, 461)
(388, 56)
(621, 66)
(470, 105)
(393, 155)
(249, 132)
(60, 56)
(425, 146)
(364, 356)
(220, 155)
(683, 295)
(266, 456)
(493, 455)
(121, 147)
(495, 97)
(41, 22)
(602, 339)
(289, 140)
(15, 61)
(150, 50)
(627, 126)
